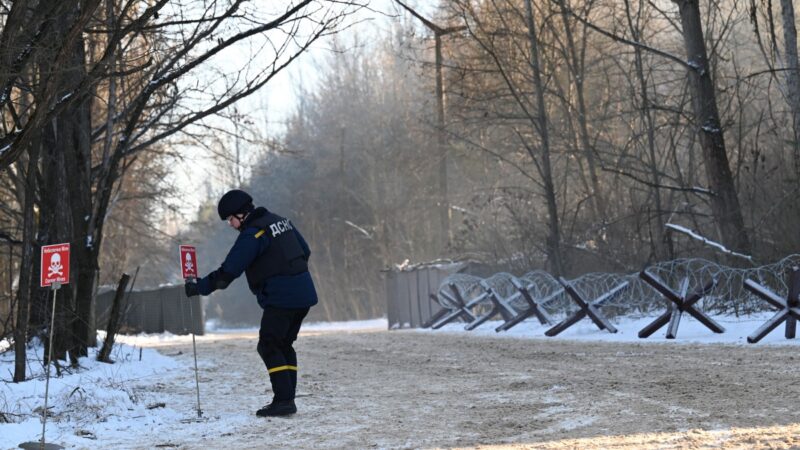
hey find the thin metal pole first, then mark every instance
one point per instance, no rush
(54, 287)
(194, 349)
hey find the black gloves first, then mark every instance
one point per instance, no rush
(191, 289)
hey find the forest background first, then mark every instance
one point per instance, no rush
(571, 136)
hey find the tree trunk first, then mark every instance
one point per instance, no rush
(67, 201)
(26, 268)
(657, 231)
(553, 235)
(724, 203)
(65, 194)
(792, 76)
(76, 121)
(444, 204)
(577, 72)
(55, 227)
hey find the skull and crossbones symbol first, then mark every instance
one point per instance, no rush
(55, 268)
(189, 265)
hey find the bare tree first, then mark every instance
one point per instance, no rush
(724, 202)
(575, 54)
(494, 29)
(438, 33)
(141, 62)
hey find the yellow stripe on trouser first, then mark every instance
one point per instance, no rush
(280, 368)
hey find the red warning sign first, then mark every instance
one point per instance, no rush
(188, 261)
(55, 264)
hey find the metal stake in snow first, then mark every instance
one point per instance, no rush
(54, 287)
(194, 350)
(189, 272)
(54, 272)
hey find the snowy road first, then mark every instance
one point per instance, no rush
(404, 389)
(364, 387)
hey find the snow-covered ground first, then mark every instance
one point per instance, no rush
(97, 397)
(690, 331)
(106, 400)
(103, 404)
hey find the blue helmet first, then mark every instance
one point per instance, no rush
(234, 202)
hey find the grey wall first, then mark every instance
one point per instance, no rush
(154, 311)
(408, 303)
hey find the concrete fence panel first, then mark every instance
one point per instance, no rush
(155, 311)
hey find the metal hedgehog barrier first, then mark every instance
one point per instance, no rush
(693, 285)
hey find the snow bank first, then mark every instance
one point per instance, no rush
(83, 399)
(690, 331)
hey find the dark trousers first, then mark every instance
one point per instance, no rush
(279, 328)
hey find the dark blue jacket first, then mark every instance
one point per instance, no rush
(283, 291)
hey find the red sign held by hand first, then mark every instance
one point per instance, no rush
(188, 261)
(55, 264)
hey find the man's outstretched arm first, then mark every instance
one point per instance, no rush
(241, 255)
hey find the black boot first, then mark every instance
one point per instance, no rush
(278, 408)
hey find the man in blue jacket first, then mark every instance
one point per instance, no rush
(274, 257)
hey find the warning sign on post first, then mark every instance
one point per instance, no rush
(188, 261)
(55, 264)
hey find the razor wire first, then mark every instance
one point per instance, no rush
(728, 295)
